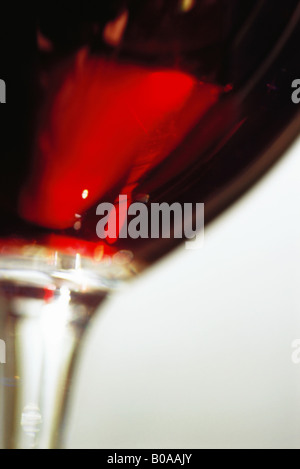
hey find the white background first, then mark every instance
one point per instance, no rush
(196, 353)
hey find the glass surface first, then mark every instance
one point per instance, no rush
(155, 100)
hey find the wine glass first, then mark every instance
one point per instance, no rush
(149, 100)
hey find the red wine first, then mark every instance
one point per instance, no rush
(105, 126)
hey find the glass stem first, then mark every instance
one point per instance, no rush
(42, 338)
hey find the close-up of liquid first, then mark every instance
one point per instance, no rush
(160, 101)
